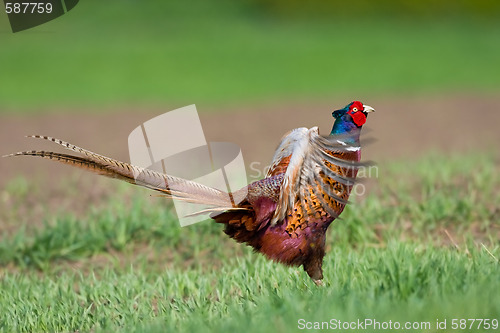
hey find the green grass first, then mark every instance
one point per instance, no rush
(131, 54)
(131, 267)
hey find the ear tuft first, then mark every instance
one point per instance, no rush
(338, 113)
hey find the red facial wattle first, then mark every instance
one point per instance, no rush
(355, 111)
(358, 117)
(356, 105)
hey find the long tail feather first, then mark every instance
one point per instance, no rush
(171, 186)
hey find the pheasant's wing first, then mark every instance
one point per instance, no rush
(290, 142)
(171, 186)
(318, 173)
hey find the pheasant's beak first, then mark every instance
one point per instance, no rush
(368, 109)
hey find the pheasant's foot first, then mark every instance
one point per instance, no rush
(319, 283)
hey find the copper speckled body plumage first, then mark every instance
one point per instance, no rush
(300, 238)
(284, 216)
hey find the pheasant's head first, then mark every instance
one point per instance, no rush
(351, 117)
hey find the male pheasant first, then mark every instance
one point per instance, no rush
(285, 215)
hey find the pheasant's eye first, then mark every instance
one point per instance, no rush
(354, 109)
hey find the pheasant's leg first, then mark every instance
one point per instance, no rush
(314, 262)
(313, 269)
(313, 266)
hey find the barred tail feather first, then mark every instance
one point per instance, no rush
(170, 186)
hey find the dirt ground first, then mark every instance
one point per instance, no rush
(402, 128)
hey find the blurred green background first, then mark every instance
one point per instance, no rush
(113, 54)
